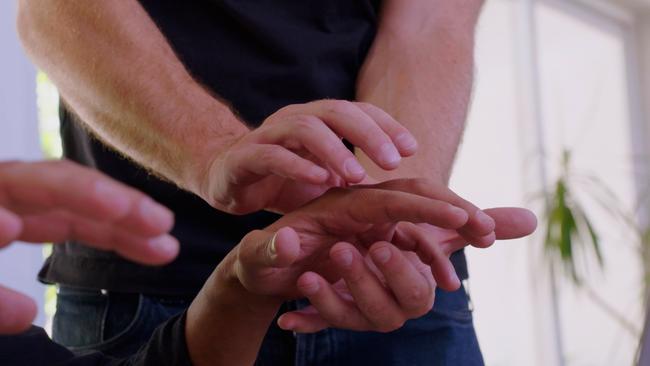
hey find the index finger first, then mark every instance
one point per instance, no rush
(379, 206)
(479, 224)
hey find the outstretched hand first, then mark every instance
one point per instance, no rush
(383, 287)
(326, 242)
(59, 200)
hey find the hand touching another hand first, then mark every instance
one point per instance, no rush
(327, 241)
(388, 286)
(298, 153)
(59, 200)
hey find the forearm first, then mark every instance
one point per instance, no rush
(420, 70)
(115, 69)
(226, 324)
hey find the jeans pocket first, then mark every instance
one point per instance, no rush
(78, 318)
(453, 305)
(88, 321)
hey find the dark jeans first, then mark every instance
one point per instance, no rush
(118, 324)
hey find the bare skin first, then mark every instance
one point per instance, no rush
(57, 201)
(420, 70)
(331, 252)
(147, 106)
(369, 283)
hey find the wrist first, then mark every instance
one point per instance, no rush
(224, 130)
(408, 169)
(225, 323)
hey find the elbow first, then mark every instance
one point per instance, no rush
(29, 24)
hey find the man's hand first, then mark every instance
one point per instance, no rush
(58, 201)
(298, 153)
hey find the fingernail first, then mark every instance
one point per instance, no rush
(353, 168)
(389, 155)
(382, 255)
(155, 214)
(344, 257)
(272, 248)
(484, 219)
(285, 324)
(309, 288)
(164, 244)
(407, 142)
(319, 173)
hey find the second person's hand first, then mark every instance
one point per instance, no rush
(298, 153)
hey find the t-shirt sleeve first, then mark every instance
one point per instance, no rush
(166, 346)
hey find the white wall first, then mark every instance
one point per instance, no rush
(585, 105)
(18, 140)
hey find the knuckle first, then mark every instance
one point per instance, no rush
(355, 277)
(415, 296)
(425, 303)
(377, 311)
(340, 320)
(304, 123)
(343, 107)
(268, 154)
(366, 106)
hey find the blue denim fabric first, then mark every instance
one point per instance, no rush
(118, 324)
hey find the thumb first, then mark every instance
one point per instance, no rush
(263, 249)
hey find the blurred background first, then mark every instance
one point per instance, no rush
(559, 124)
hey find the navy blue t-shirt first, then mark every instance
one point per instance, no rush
(259, 56)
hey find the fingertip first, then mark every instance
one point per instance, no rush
(389, 156)
(308, 284)
(285, 247)
(407, 144)
(381, 252)
(285, 322)
(450, 281)
(300, 321)
(342, 254)
(354, 172)
(527, 221)
(513, 222)
(157, 216)
(164, 249)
